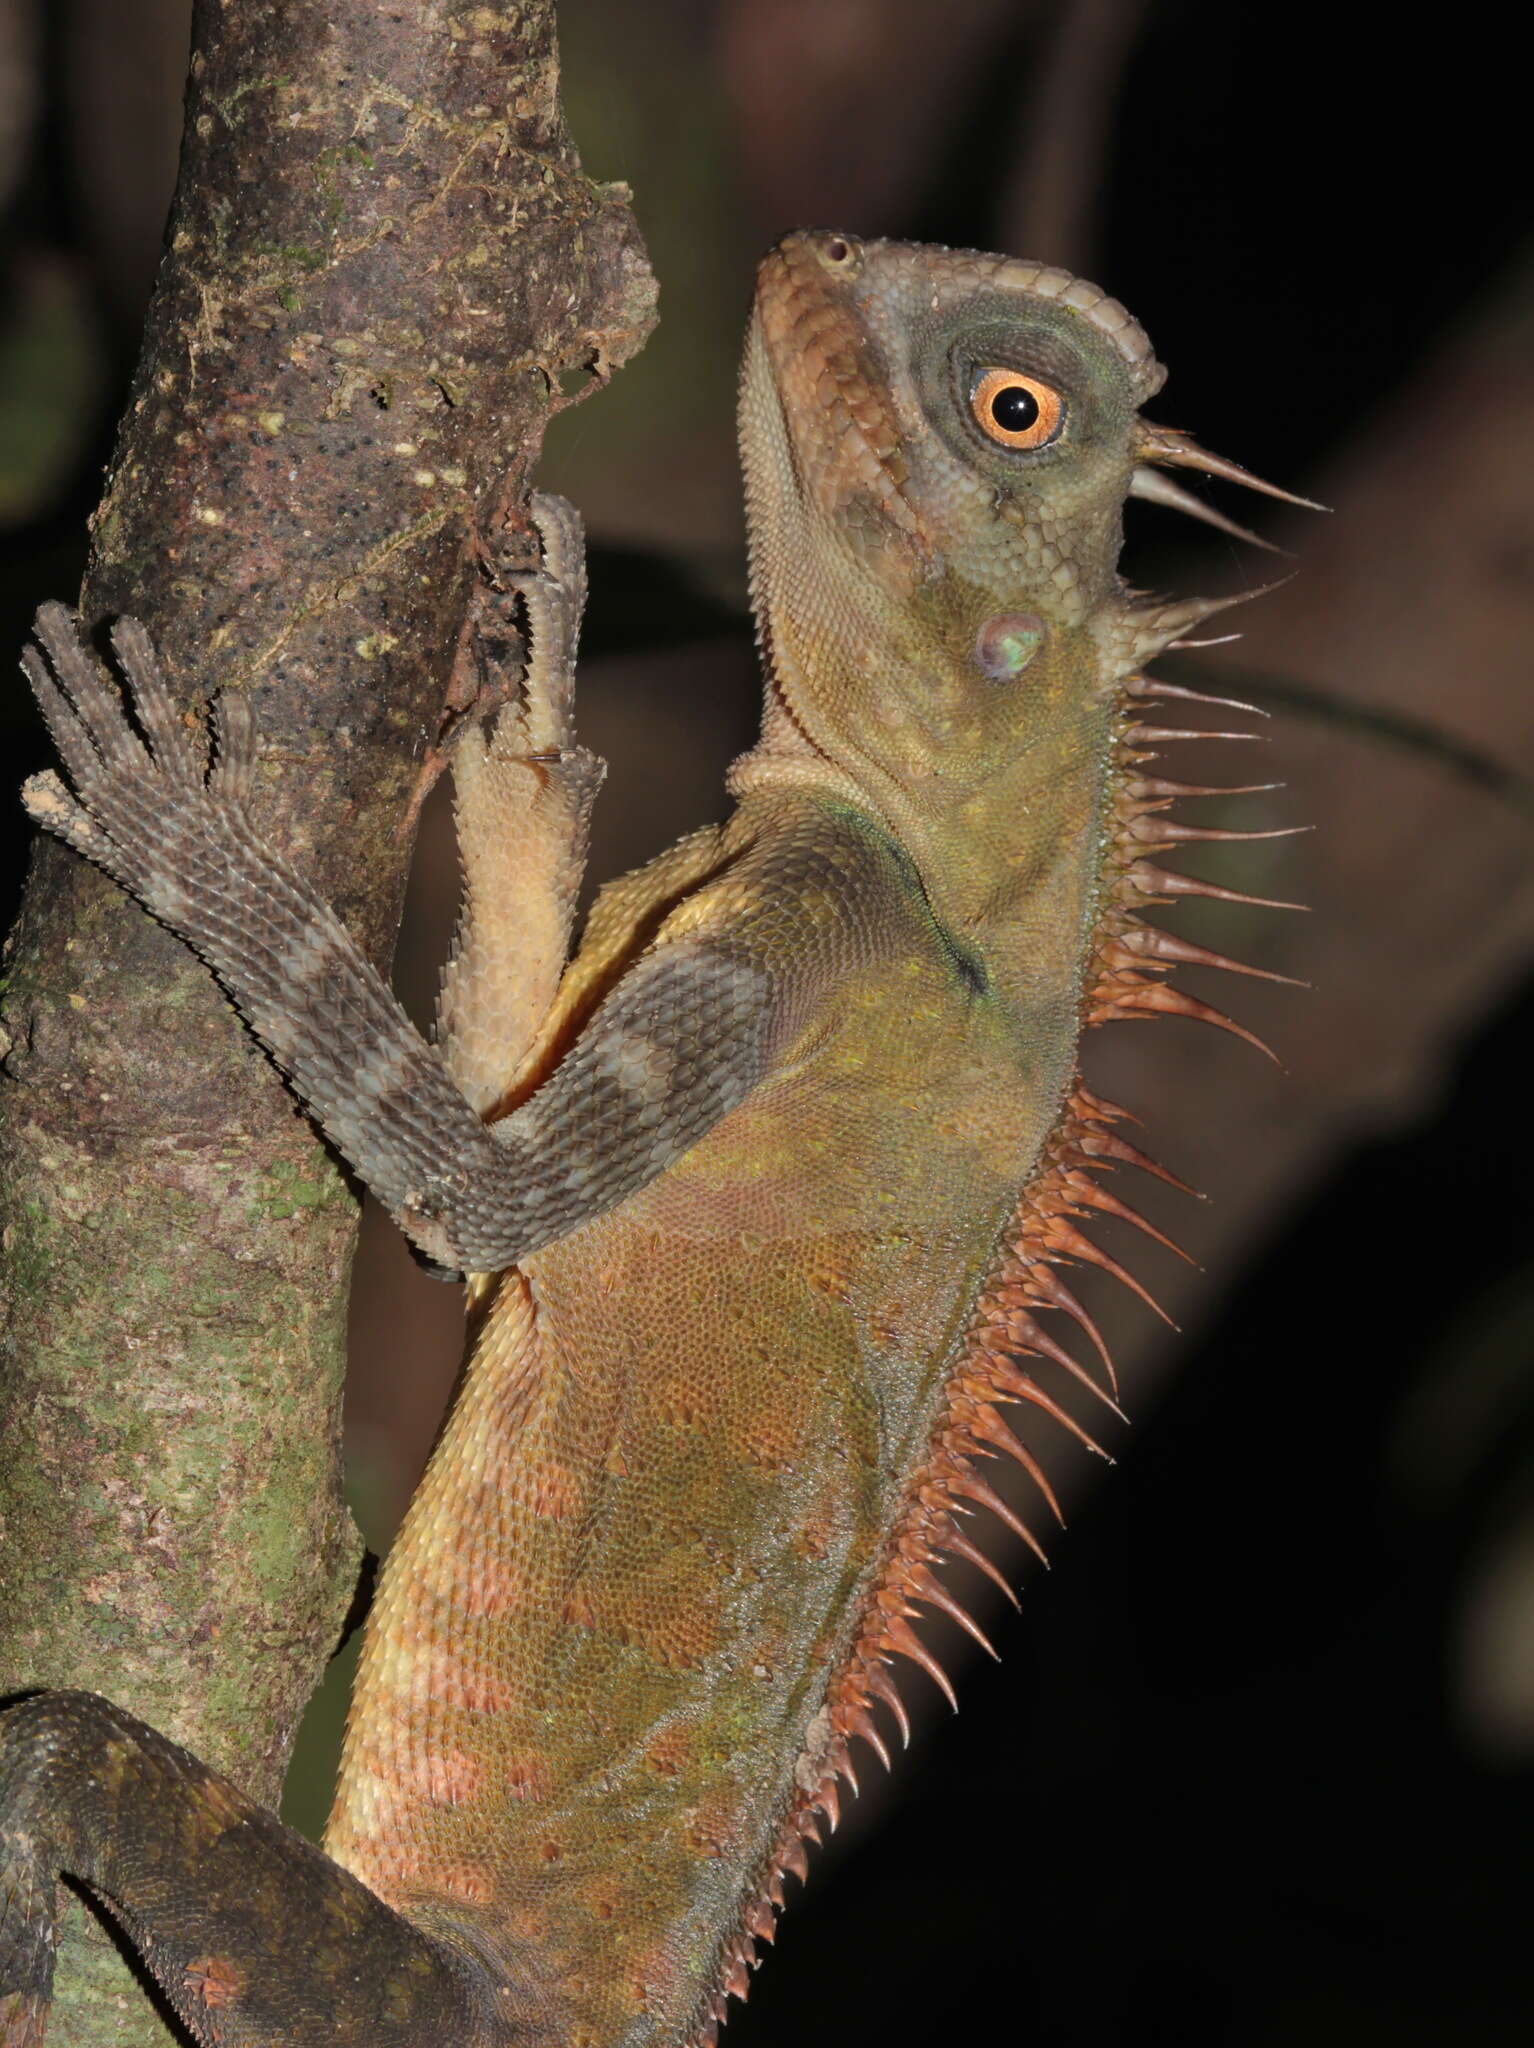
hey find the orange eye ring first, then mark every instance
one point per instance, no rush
(1015, 411)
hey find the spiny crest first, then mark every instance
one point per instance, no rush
(1006, 1338)
(1006, 1335)
(1155, 625)
(1170, 447)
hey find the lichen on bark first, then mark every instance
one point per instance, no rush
(382, 259)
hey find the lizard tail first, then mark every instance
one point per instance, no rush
(252, 1934)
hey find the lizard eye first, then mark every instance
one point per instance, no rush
(1015, 411)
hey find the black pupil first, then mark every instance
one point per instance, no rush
(1014, 409)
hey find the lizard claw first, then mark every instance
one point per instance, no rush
(48, 803)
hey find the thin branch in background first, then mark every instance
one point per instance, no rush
(1421, 736)
(18, 89)
(1050, 208)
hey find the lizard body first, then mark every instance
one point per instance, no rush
(760, 1199)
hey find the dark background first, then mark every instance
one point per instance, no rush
(1254, 1769)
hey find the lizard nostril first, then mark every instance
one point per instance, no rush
(837, 251)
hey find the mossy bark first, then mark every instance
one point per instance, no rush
(382, 258)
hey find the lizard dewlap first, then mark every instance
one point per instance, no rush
(763, 1197)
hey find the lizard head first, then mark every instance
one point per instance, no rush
(938, 446)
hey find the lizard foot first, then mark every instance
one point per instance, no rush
(123, 783)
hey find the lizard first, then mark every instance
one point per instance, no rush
(762, 1193)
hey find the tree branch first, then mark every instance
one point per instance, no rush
(383, 256)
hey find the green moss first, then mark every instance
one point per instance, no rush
(286, 1189)
(35, 1248)
(229, 108)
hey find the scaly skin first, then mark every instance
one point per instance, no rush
(759, 1236)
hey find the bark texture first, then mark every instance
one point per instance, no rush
(383, 257)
